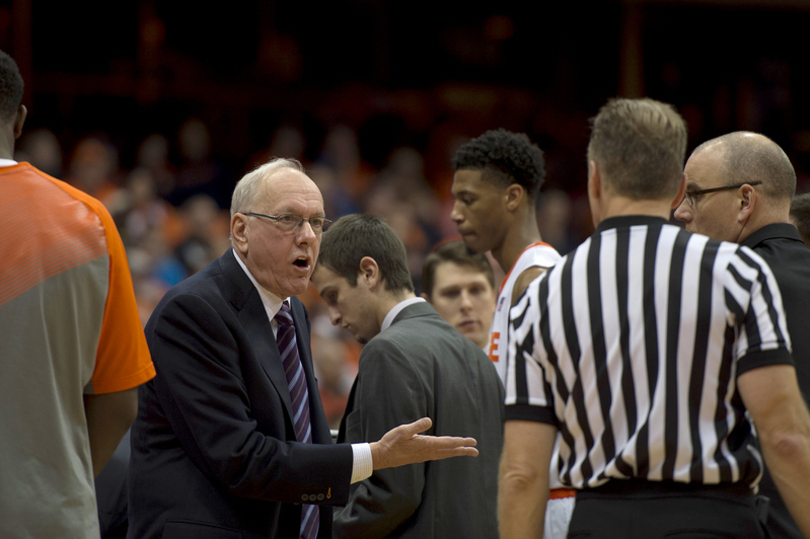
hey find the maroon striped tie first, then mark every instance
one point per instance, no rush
(296, 381)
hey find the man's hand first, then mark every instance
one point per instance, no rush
(404, 445)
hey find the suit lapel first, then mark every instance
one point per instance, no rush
(253, 319)
(349, 406)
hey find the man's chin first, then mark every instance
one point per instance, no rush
(472, 248)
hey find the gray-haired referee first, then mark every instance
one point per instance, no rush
(645, 348)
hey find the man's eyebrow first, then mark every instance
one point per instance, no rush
(448, 288)
(297, 211)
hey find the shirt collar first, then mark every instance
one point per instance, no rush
(623, 221)
(8, 162)
(272, 303)
(774, 230)
(389, 318)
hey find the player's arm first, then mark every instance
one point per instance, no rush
(109, 415)
(523, 482)
(523, 280)
(771, 396)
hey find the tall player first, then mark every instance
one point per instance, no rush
(496, 185)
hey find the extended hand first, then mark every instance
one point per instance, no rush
(404, 445)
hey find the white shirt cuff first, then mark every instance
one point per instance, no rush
(362, 467)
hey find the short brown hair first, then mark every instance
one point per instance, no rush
(355, 236)
(456, 252)
(640, 147)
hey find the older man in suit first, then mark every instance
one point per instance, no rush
(231, 439)
(414, 364)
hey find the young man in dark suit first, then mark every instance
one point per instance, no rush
(414, 364)
(231, 438)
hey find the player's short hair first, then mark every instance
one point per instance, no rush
(11, 87)
(504, 158)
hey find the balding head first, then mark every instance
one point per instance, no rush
(735, 185)
(750, 157)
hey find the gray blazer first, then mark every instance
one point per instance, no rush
(421, 366)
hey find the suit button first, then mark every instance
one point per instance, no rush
(320, 497)
(304, 497)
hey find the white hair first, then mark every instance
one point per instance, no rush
(246, 189)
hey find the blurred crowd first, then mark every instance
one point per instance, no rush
(171, 203)
(173, 212)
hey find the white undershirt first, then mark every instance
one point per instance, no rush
(7, 162)
(362, 465)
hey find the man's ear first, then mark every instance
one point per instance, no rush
(239, 232)
(514, 195)
(594, 180)
(369, 272)
(594, 192)
(681, 192)
(748, 201)
(19, 120)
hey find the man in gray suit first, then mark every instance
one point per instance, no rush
(414, 365)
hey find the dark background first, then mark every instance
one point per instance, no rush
(373, 96)
(396, 70)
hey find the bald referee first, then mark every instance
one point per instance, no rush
(645, 348)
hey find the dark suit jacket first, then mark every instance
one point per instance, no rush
(421, 366)
(783, 249)
(213, 447)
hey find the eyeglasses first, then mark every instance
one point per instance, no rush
(691, 196)
(288, 222)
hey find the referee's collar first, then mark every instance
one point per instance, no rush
(624, 221)
(774, 230)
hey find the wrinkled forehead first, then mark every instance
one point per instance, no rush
(706, 168)
(286, 190)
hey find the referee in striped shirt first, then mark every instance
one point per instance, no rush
(652, 351)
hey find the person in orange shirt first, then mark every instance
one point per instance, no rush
(70, 337)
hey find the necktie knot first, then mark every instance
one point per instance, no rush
(283, 317)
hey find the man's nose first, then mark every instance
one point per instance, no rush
(466, 300)
(305, 234)
(683, 212)
(455, 214)
(334, 316)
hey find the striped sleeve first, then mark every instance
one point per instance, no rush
(754, 299)
(528, 394)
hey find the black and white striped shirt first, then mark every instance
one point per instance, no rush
(632, 344)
